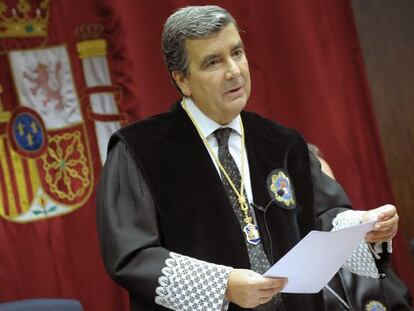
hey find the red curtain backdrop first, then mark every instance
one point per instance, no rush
(307, 72)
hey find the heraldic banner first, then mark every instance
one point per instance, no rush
(73, 72)
(58, 108)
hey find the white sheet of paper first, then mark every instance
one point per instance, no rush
(311, 263)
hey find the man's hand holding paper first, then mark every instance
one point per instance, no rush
(387, 223)
(249, 289)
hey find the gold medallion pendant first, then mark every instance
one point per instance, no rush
(252, 234)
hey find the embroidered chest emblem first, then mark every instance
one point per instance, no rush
(281, 189)
(375, 305)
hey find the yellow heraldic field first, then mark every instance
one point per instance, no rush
(20, 178)
(46, 168)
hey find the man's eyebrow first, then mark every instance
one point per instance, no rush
(208, 58)
(239, 45)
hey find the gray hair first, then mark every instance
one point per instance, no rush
(192, 22)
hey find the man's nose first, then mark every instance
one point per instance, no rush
(232, 70)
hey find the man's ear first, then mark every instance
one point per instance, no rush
(181, 81)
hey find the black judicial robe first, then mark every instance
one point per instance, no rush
(173, 199)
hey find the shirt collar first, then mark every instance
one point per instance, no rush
(206, 125)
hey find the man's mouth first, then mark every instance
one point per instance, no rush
(234, 90)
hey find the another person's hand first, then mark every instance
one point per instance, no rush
(386, 227)
(249, 289)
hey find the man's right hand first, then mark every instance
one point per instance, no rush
(249, 289)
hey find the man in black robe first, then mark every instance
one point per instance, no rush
(196, 203)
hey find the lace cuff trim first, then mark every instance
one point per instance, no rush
(190, 284)
(361, 260)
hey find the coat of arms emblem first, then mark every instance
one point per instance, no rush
(46, 169)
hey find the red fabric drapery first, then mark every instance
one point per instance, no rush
(307, 72)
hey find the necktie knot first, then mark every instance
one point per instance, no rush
(222, 136)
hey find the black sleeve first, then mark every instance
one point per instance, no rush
(330, 198)
(127, 225)
(131, 248)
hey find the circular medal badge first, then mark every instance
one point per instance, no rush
(281, 189)
(375, 305)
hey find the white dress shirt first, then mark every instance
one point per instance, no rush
(207, 127)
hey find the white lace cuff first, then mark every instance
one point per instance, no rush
(190, 284)
(361, 260)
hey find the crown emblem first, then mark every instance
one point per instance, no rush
(25, 20)
(89, 31)
(91, 43)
